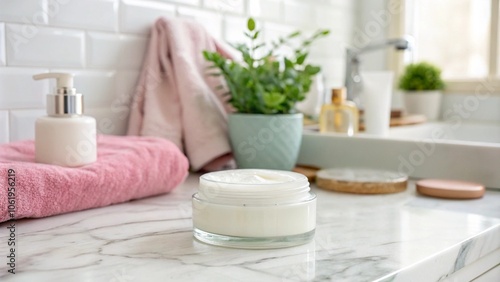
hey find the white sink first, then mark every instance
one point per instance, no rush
(472, 132)
(467, 151)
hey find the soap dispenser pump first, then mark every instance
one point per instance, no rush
(65, 136)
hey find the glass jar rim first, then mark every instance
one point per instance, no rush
(306, 198)
(238, 183)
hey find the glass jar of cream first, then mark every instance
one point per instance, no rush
(254, 209)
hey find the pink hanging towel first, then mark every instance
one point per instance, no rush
(176, 99)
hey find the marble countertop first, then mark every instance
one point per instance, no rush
(358, 238)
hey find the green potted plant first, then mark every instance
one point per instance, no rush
(266, 130)
(422, 84)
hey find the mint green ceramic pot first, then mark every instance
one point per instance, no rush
(265, 141)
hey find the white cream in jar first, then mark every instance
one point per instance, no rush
(254, 208)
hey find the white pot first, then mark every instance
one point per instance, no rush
(426, 103)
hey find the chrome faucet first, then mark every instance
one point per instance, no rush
(353, 82)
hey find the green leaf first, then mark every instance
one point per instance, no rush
(259, 46)
(288, 63)
(271, 84)
(294, 34)
(320, 33)
(251, 24)
(272, 100)
(301, 58)
(207, 55)
(290, 73)
(312, 70)
(248, 59)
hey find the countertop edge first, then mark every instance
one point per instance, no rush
(451, 260)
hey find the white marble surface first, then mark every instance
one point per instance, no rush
(399, 237)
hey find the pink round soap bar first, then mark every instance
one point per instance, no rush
(451, 189)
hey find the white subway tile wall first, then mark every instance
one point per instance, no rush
(234, 6)
(110, 50)
(138, 16)
(97, 86)
(4, 126)
(44, 46)
(299, 12)
(103, 43)
(2, 44)
(233, 25)
(29, 12)
(22, 123)
(106, 123)
(88, 14)
(211, 20)
(266, 9)
(19, 90)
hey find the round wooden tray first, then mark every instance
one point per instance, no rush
(361, 181)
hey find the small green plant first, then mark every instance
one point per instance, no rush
(421, 76)
(266, 84)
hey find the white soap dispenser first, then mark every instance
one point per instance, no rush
(65, 137)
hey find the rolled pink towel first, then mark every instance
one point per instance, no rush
(127, 168)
